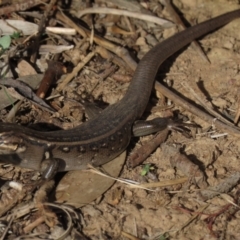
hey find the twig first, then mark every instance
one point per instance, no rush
(181, 25)
(139, 155)
(204, 105)
(41, 29)
(4, 233)
(125, 181)
(104, 53)
(196, 111)
(195, 215)
(164, 23)
(75, 71)
(21, 6)
(165, 183)
(52, 74)
(119, 51)
(129, 236)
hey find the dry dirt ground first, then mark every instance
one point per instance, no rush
(174, 211)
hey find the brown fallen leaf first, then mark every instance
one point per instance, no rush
(25, 68)
(31, 80)
(79, 188)
(25, 91)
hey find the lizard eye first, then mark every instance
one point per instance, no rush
(11, 144)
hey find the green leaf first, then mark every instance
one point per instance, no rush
(5, 42)
(16, 35)
(162, 238)
(146, 169)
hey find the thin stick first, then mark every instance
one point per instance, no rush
(75, 71)
(204, 105)
(164, 23)
(180, 23)
(196, 111)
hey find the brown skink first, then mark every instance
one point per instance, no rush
(104, 137)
